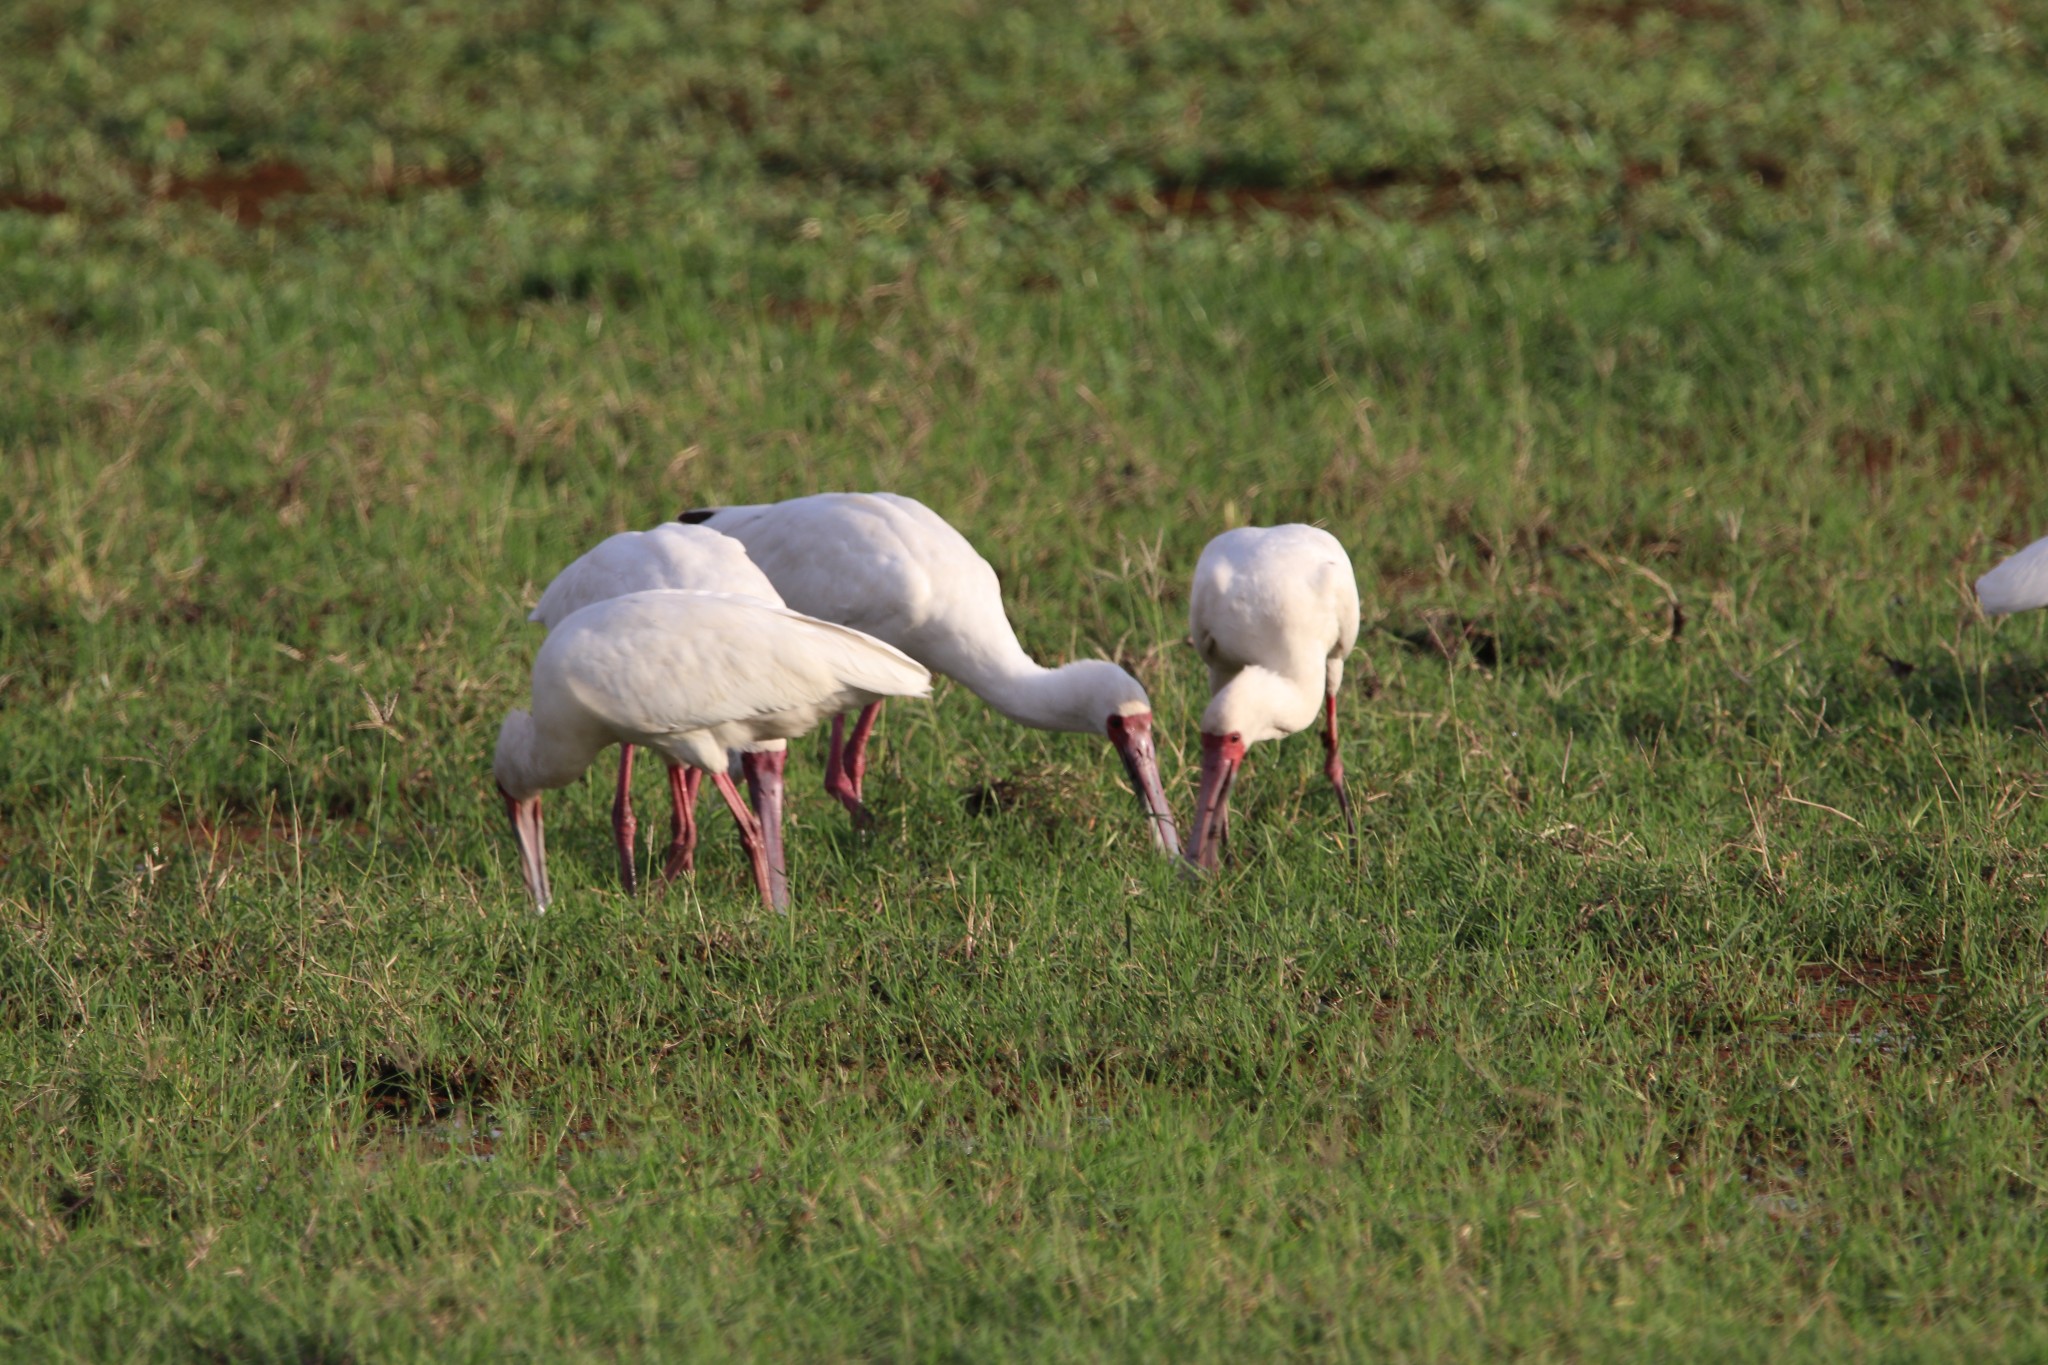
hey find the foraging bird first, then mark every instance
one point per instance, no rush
(1273, 612)
(689, 675)
(2020, 583)
(890, 566)
(685, 557)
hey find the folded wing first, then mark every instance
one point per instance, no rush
(669, 662)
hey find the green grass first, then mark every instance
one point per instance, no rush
(1684, 997)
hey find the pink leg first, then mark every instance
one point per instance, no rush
(750, 835)
(836, 785)
(682, 842)
(856, 758)
(1333, 766)
(846, 763)
(623, 825)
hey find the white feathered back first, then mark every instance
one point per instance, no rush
(1266, 594)
(1273, 612)
(672, 555)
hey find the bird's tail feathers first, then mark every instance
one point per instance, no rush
(878, 675)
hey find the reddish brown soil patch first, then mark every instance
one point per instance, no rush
(242, 195)
(33, 201)
(1910, 988)
(1874, 452)
(1873, 974)
(1983, 458)
(805, 314)
(249, 195)
(212, 835)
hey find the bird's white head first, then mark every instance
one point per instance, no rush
(512, 764)
(1255, 706)
(1083, 695)
(1097, 697)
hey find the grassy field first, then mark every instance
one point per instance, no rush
(1669, 369)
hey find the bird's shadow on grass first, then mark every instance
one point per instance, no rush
(1490, 641)
(2005, 696)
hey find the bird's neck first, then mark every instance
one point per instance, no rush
(1031, 694)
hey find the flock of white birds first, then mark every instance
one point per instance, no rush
(715, 639)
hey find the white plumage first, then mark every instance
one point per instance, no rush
(2020, 583)
(1273, 613)
(890, 566)
(672, 555)
(688, 558)
(689, 675)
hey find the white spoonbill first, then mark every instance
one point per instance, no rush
(2020, 583)
(890, 566)
(689, 675)
(686, 557)
(1273, 612)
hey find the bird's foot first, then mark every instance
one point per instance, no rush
(842, 790)
(1344, 802)
(864, 821)
(681, 858)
